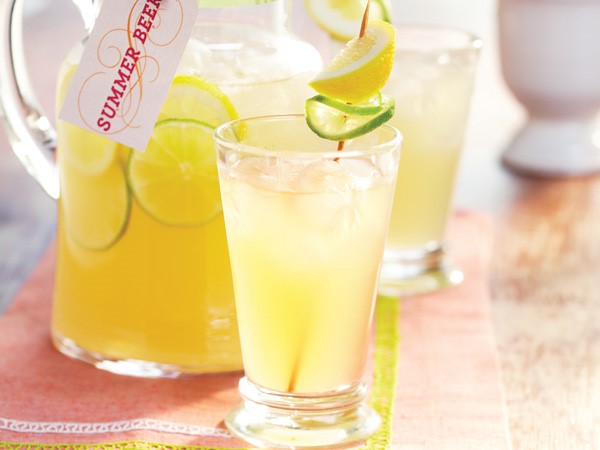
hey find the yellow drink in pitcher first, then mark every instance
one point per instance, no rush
(158, 294)
(143, 282)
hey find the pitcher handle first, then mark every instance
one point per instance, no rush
(30, 133)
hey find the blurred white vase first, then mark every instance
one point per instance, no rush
(33, 7)
(550, 55)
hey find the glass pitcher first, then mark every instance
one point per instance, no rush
(143, 284)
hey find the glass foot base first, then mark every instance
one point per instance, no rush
(426, 282)
(554, 148)
(269, 419)
(418, 271)
(131, 367)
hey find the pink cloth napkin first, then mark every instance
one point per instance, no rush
(449, 392)
(448, 388)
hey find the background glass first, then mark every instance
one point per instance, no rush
(306, 228)
(431, 82)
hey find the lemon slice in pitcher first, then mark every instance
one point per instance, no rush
(192, 97)
(95, 209)
(342, 18)
(88, 152)
(362, 68)
(175, 179)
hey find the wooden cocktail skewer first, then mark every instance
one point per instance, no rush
(365, 20)
(363, 30)
(340, 147)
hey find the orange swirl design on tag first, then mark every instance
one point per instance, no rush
(127, 67)
(127, 89)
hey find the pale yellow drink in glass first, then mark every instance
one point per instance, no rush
(134, 287)
(431, 82)
(432, 114)
(293, 251)
(306, 233)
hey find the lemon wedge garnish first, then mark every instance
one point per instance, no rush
(362, 68)
(342, 18)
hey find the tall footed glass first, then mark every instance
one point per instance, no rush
(306, 228)
(143, 283)
(431, 81)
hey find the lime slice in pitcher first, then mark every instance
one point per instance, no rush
(175, 179)
(192, 97)
(95, 208)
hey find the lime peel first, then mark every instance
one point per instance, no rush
(334, 124)
(366, 108)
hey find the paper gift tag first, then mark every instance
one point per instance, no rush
(127, 67)
(227, 3)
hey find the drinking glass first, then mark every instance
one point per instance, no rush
(306, 229)
(431, 82)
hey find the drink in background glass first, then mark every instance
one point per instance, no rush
(306, 229)
(431, 82)
(147, 294)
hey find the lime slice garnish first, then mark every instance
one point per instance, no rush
(342, 18)
(192, 97)
(331, 123)
(96, 208)
(362, 68)
(366, 108)
(175, 179)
